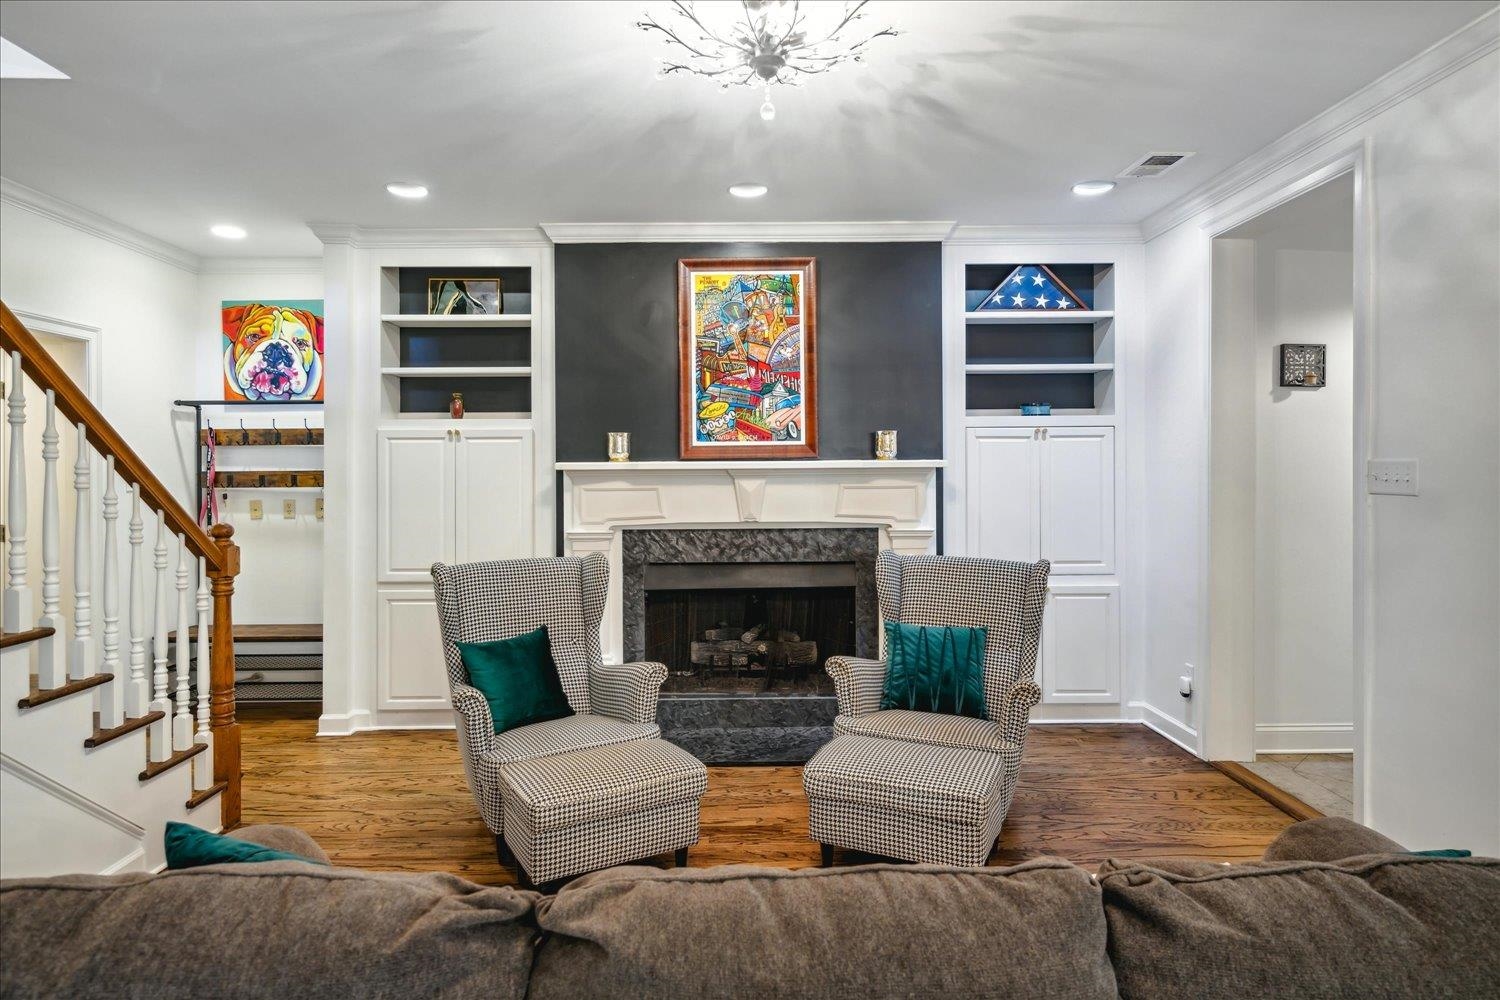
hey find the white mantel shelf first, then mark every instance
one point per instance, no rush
(793, 465)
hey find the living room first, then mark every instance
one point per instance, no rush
(559, 444)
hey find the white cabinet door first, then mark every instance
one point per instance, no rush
(1078, 499)
(495, 494)
(415, 514)
(409, 651)
(1081, 644)
(1002, 493)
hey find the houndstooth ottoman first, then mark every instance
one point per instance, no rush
(575, 812)
(913, 801)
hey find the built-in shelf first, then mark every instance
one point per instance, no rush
(1055, 316)
(456, 372)
(689, 466)
(1042, 369)
(422, 319)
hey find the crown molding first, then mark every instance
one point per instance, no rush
(261, 265)
(360, 237)
(1475, 40)
(84, 221)
(1052, 235)
(747, 232)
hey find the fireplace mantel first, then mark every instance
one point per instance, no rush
(897, 497)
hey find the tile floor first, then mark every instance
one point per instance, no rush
(1324, 781)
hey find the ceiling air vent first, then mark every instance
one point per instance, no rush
(1154, 164)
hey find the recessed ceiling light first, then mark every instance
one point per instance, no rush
(1092, 189)
(406, 189)
(224, 231)
(747, 190)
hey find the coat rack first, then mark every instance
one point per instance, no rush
(302, 436)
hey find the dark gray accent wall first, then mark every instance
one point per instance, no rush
(879, 344)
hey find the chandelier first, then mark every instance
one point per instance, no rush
(757, 43)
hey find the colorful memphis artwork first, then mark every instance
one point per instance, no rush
(1032, 288)
(748, 362)
(273, 351)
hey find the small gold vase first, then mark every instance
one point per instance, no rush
(885, 445)
(619, 446)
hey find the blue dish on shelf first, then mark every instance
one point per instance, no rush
(1036, 409)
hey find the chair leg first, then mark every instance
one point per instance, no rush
(827, 855)
(502, 852)
(681, 858)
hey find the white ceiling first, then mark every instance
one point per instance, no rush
(271, 115)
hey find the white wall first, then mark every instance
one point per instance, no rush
(1431, 770)
(281, 559)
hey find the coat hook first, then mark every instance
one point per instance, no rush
(244, 434)
(308, 429)
(276, 430)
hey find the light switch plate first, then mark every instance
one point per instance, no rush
(257, 510)
(289, 509)
(1392, 477)
(318, 508)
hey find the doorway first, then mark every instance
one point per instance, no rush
(1283, 511)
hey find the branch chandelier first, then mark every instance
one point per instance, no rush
(757, 43)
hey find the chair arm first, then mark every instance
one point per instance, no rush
(476, 729)
(858, 683)
(1015, 710)
(626, 691)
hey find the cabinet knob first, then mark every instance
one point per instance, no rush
(1044, 433)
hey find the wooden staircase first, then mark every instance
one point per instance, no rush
(92, 724)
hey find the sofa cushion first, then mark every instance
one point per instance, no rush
(1331, 838)
(875, 932)
(926, 727)
(275, 929)
(282, 838)
(1385, 926)
(189, 846)
(576, 732)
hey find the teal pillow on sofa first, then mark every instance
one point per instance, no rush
(934, 668)
(518, 678)
(189, 846)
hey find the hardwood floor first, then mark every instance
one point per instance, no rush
(396, 801)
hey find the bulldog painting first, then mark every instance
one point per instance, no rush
(273, 351)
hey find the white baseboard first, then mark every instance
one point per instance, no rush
(343, 723)
(1295, 737)
(1163, 724)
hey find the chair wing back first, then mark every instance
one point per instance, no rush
(485, 601)
(1004, 598)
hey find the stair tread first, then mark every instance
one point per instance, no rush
(40, 697)
(294, 632)
(161, 767)
(9, 639)
(103, 736)
(198, 798)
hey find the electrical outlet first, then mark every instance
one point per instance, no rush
(1185, 681)
(1392, 477)
(289, 509)
(318, 508)
(257, 510)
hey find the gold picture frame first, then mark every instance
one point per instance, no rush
(465, 295)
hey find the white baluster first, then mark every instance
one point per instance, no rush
(203, 764)
(161, 743)
(111, 695)
(182, 720)
(136, 692)
(17, 615)
(81, 651)
(50, 666)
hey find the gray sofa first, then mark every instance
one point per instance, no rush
(1333, 910)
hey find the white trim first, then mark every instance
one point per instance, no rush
(1474, 40)
(55, 326)
(343, 723)
(262, 265)
(1292, 737)
(76, 217)
(624, 469)
(83, 804)
(1162, 724)
(360, 237)
(129, 861)
(747, 232)
(1050, 235)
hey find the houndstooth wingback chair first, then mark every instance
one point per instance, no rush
(485, 601)
(918, 785)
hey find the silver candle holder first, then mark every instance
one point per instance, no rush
(619, 446)
(885, 445)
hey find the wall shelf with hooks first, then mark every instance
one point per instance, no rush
(242, 436)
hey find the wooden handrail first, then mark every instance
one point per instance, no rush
(48, 374)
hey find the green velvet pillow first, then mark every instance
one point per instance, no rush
(191, 847)
(518, 678)
(1443, 852)
(934, 668)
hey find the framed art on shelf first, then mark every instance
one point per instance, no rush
(747, 344)
(463, 297)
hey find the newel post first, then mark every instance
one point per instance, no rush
(226, 731)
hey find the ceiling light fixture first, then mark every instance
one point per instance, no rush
(225, 231)
(1093, 189)
(406, 189)
(748, 190)
(757, 43)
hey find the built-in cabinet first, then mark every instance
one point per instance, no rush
(1028, 486)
